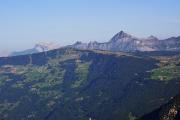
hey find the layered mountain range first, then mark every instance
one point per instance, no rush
(119, 42)
(125, 42)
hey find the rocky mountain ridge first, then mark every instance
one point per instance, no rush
(119, 42)
(125, 42)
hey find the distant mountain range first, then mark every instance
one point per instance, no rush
(40, 47)
(4, 53)
(119, 42)
(125, 42)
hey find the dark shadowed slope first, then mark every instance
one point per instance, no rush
(169, 111)
(69, 84)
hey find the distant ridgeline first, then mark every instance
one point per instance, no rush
(39, 47)
(70, 84)
(119, 42)
(125, 42)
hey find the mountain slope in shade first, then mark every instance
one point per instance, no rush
(69, 84)
(40, 47)
(169, 111)
(125, 42)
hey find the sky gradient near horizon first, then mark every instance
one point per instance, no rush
(26, 22)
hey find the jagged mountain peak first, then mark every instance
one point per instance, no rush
(151, 37)
(122, 34)
(45, 46)
(125, 42)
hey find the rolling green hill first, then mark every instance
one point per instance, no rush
(70, 84)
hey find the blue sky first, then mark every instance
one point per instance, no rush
(26, 22)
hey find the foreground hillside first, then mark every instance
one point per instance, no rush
(69, 84)
(169, 111)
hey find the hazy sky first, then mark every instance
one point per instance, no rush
(26, 22)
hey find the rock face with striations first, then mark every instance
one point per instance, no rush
(125, 42)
